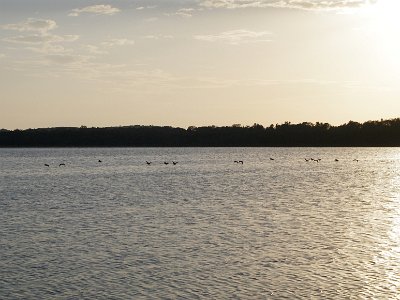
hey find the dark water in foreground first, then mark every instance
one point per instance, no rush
(206, 228)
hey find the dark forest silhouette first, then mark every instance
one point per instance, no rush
(371, 133)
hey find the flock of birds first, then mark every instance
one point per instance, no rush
(100, 161)
(319, 159)
(306, 159)
(165, 163)
(60, 165)
(235, 161)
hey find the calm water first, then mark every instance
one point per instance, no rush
(206, 228)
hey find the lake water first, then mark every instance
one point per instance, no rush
(206, 228)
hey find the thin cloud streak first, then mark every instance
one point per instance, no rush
(118, 42)
(39, 35)
(157, 37)
(292, 4)
(36, 25)
(40, 39)
(146, 7)
(235, 37)
(44, 46)
(101, 9)
(182, 12)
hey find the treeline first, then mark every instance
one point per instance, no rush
(385, 133)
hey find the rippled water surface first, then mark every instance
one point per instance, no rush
(206, 228)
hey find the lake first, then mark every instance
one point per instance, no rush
(205, 228)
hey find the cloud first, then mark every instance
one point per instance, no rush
(118, 42)
(49, 48)
(111, 77)
(37, 36)
(31, 39)
(236, 37)
(294, 4)
(100, 9)
(146, 7)
(41, 38)
(183, 12)
(35, 25)
(157, 37)
(38, 32)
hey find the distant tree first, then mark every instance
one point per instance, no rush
(257, 126)
(370, 133)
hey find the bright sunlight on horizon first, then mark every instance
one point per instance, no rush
(197, 62)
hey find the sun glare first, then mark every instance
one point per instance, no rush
(387, 9)
(385, 12)
(382, 25)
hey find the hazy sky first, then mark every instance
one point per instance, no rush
(197, 62)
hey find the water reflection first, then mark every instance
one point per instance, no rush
(205, 228)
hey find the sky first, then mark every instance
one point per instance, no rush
(197, 62)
